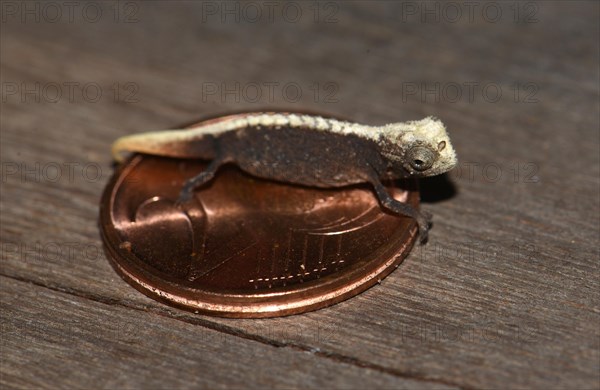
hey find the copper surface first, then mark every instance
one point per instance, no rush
(248, 247)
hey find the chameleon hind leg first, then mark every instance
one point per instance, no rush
(202, 178)
(423, 218)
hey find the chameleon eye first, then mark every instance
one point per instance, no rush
(420, 158)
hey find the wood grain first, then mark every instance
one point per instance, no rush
(73, 342)
(506, 292)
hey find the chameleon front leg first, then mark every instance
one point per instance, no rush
(423, 218)
(202, 178)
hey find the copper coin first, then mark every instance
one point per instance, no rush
(248, 247)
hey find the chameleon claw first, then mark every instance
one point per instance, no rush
(427, 215)
(424, 222)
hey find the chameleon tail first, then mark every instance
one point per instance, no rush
(169, 143)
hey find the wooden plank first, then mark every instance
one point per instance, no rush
(60, 340)
(507, 289)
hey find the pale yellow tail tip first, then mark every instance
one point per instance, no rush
(118, 150)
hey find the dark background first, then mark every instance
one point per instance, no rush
(506, 292)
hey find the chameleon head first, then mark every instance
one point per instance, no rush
(421, 148)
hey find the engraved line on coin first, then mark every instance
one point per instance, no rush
(195, 212)
(258, 268)
(338, 254)
(304, 250)
(197, 258)
(343, 220)
(348, 230)
(288, 257)
(206, 270)
(272, 258)
(321, 248)
(120, 180)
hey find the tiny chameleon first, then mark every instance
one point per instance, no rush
(308, 150)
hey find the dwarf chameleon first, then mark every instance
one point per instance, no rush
(308, 150)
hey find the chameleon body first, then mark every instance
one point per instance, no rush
(308, 150)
